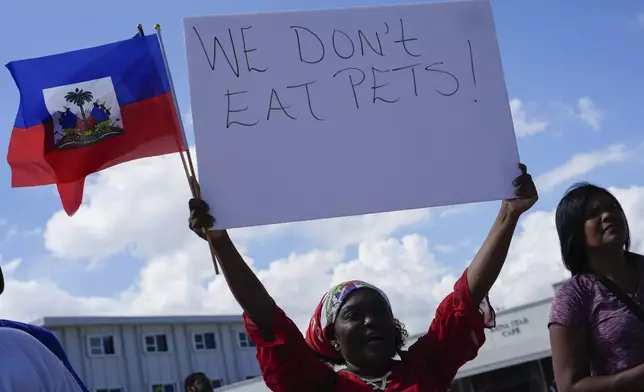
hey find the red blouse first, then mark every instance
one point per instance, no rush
(429, 365)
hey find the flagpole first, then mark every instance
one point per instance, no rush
(189, 168)
(190, 172)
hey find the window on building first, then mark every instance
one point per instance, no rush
(101, 345)
(205, 341)
(217, 383)
(109, 390)
(156, 344)
(244, 340)
(164, 388)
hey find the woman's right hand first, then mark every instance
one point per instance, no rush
(244, 284)
(200, 221)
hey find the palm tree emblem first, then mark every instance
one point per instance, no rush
(80, 98)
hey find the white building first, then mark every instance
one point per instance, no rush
(139, 354)
(132, 354)
(514, 358)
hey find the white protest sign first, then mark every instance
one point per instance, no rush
(307, 115)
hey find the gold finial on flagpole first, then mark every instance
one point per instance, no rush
(140, 28)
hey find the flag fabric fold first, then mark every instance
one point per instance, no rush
(87, 110)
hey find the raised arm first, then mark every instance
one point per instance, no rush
(458, 329)
(244, 284)
(486, 266)
(286, 361)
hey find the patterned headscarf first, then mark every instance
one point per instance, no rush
(317, 335)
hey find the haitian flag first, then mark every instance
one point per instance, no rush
(84, 111)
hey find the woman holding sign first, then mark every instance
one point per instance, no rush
(354, 326)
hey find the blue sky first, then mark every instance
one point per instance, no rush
(573, 68)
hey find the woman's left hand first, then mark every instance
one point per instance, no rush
(525, 192)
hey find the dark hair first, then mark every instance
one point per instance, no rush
(570, 219)
(401, 339)
(192, 378)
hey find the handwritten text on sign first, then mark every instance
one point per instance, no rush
(306, 115)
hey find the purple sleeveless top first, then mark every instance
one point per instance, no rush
(616, 334)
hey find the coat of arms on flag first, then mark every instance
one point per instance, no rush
(83, 113)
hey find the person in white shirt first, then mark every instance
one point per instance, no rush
(26, 365)
(44, 337)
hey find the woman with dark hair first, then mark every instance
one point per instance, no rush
(354, 326)
(596, 322)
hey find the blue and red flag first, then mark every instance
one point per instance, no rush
(84, 111)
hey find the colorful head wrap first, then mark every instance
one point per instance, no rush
(317, 335)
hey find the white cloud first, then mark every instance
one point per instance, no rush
(182, 281)
(590, 114)
(11, 232)
(141, 208)
(631, 201)
(125, 204)
(140, 205)
(454, 210)
(525, 125)
(187, 119)
(451, 248)
(11, 266)
(534, 262)
(581, 164)
(353, 230)
(406, 270)
(34, 231)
